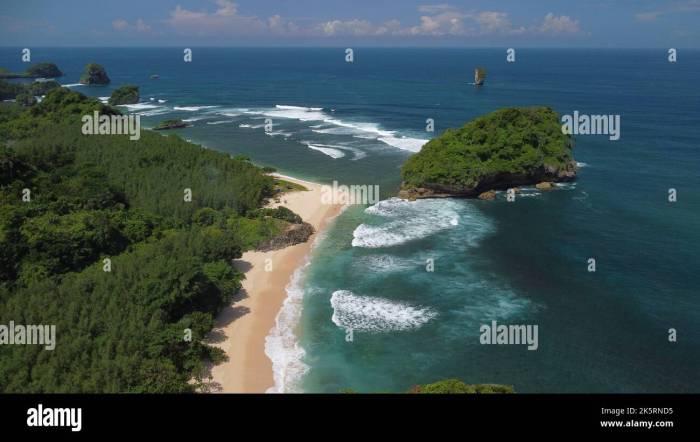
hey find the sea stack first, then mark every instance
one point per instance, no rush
(479, 76)
(94, 74)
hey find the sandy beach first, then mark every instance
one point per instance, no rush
(241, 327)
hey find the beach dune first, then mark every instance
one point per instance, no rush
(242, 327)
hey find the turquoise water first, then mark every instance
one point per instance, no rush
(517, 263)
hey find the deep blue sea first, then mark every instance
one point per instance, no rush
(521, 262)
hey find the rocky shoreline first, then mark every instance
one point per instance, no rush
(486, 189)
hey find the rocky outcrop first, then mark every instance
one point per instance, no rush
(94, 74)
(170, 124)
(292, 234)
(544, 185)
(489, 195)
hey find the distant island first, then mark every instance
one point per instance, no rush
(94, 74)
(39, 70)
(504, 149)
(125, 95)
(170, 124)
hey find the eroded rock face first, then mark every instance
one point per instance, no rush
(293, 234)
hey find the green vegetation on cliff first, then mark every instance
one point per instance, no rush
(46, 70)
(506, 148)
(125, 95)
(9, 91)
(105, 196)
(455, 386)
(94, 74)
(39, 70)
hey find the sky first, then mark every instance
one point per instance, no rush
(512, 23)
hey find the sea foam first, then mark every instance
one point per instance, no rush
(402, 221)
(362, 130)
(371, 314)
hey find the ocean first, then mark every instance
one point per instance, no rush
(395, 294)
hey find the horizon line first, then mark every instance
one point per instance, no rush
(344, 47)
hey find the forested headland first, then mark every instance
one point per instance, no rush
(98, 238)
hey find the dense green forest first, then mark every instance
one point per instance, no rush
(69, 201)
(508, 147)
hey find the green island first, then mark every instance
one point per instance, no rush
(39, 70)
(124, 95)
(94, 74)
(98, 239)
(504, 149)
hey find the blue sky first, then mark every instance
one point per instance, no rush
(518, 23)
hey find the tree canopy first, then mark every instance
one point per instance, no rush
(108, 249)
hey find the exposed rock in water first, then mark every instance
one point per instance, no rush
(170, 124)
(489, 195)
(502, 150)
(94, 74)
(544, 185)
(293, 234)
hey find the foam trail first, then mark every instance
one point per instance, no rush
(331, 152)
(370, 314)
(341, 127)
(219, 122)
(281, 345)
(191, 108)
(403, 221)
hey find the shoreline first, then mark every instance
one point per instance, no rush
(241, 329)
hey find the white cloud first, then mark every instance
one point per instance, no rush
(559, 24)
(435, 20)
(120, 24)
(224, 19)
(123, 25)
(668, 9)
(141, 26)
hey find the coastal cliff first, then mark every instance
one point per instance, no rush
(504, 149)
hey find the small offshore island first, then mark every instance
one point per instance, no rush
(504, 149)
